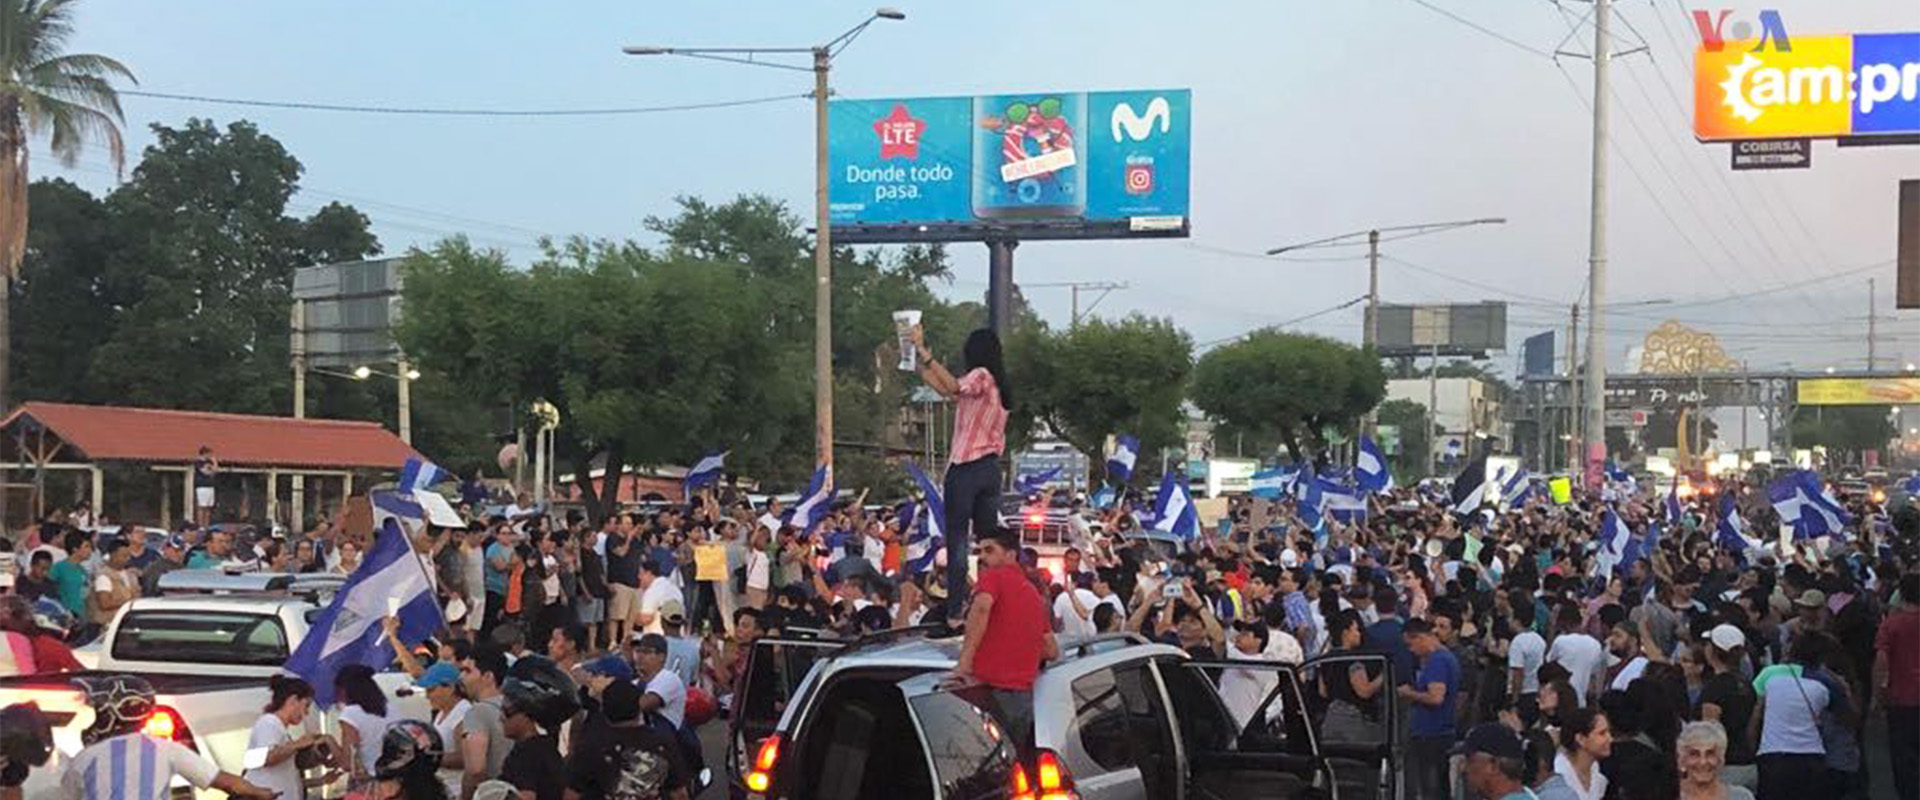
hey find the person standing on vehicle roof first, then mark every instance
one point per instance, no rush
(972, 489)
(1008, 636)
(119, 760)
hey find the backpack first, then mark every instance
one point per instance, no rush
(635, 773)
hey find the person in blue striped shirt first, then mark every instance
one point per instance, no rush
(121, 760)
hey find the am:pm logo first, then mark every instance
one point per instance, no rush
(1715, 32)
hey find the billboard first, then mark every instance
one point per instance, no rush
(350, 310)
(1536, 355)
(1858, 391)
(1907, 247)
(1028, 165)
(1469, 329)
(1822, 87)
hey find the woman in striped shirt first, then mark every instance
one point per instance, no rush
(972, 488)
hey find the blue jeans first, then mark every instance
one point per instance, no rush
(972, 493)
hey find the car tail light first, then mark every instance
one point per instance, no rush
(165, 723)
(1036, 519)
(760, 778)
(1051, 780)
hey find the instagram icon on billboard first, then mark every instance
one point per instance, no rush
(1139, 175)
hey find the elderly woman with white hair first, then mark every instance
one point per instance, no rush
(1702, 749)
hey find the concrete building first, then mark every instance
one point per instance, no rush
(1462, 406)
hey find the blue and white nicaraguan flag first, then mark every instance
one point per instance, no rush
(814, 503)
(1126, 451)
(391, 580)
(1173, 510)
(706, 471)
(1035, 482)
(1370, 468)
(1730, 531)
(1803, 502)
(1342, 502)
(1272, 484)
(928, 533)
(418, 475)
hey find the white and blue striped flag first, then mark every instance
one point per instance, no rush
(929, 531)
(1804, 503)
(1614, 537)
(419, 475)
(1173, 510)
(391, 580)
(1342, 502)
(1126, 451)
(1028, 484)
(1515, 488)
(1370, 468)
(1730, 531)
(1272, 484)
(706, 471)
(1674, 511)
(814, 503)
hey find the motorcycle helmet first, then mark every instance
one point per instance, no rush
(26, 741)
(120, 703)
(540, 689)
(50, 616)
(410, 747)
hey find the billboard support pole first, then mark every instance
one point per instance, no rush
(298, 517)
(1000, 285)
(822, 269)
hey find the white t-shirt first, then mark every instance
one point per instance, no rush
(673, 695)
(1243, 690)
(1791, 724)
(371, 728)
(1527, 653)
(770, 522)
(759, 570)
(1071, 623)
(270, 732)
(97, 760)
(1563, 767)
(473, 564)
(1282, 647)
(656, 596)
(550, 585)
(447, 725)
(1582, 655)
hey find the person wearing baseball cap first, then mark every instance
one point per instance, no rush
(173, 555)
(1496, 762)
(1728, 699)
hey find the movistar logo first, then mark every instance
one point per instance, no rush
(1128, 124)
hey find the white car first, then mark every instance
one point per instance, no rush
(208, 650)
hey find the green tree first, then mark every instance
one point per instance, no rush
(1845, 430)
(1416, 435)
(1293, 386)
(205, 261)
(44, 89)
(62, 300)
(1103, 378)
(651, 358)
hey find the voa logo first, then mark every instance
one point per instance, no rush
(1715, 33)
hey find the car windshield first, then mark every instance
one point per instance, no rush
(201, 637)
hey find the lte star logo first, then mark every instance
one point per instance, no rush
(900, 134)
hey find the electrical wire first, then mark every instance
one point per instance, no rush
(454, 112)
(1498, 36)
(1294, 321)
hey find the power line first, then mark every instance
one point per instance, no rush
(1475, 284)
(1294, 321)
(1501, 37)
(453, 112)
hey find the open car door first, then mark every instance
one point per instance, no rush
(1245, 730)
(775, 667)
(971, 754)
(1358, 736)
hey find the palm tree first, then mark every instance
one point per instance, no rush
(45, 91)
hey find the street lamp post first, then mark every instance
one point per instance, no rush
(822, 64)
(1370, 334)
(404, 375)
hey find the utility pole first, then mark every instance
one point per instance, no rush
(1872, 361)
(1075, 288)
(1372, 332)
(1595, 394)
(298, 520)
(1433, 411)
(404, 380)
(1576, 418)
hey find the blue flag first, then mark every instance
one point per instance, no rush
(814, 503)
(1173, 510)
(1674, 512)
(1730, 531)
(1516, 487)
(1803, 502)
(391, 580)
(1272, 484)
(1344, 503)
(929, 533)
(1037, 481)
(1126, 451)
(418, 475)
(706, 471)
(1370, 468)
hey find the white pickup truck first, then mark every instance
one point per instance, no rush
(208, 647)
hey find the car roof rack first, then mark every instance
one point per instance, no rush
(1103, 642)
(310, 586)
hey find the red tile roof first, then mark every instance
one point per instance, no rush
(112, 433)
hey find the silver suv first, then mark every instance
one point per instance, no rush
(1116, 717)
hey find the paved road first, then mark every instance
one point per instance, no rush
(713, 740)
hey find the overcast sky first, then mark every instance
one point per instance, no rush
(1310, 119)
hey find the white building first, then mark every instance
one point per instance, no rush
(1461, 407)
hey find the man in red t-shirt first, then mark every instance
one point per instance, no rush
(1008, 615)
(1897, 674)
